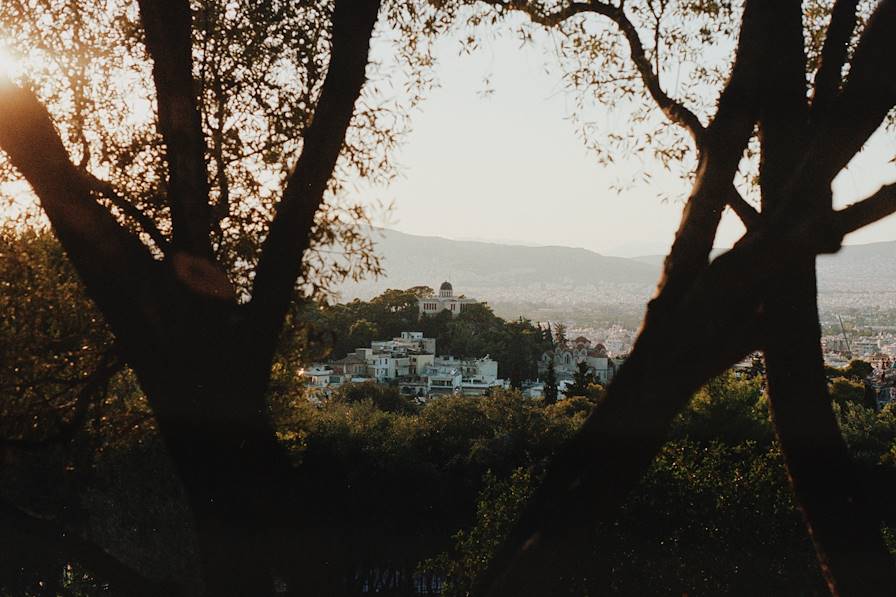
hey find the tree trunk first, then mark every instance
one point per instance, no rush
(209, 400)
(853, 557)
(594, 473)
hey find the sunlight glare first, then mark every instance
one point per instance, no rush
(9, 66)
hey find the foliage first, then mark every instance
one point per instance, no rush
(713, 516)
(259, 68)
(393, 486)
(550, 383)
(584, 384)
(382, 397)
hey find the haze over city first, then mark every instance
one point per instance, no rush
(495, 139)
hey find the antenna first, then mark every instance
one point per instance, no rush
(845, 337)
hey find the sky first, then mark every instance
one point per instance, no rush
(509, 167)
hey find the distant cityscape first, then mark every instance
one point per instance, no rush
(411, 363)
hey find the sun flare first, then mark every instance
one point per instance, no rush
(8, 64)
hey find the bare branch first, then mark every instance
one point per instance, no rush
(281, 258)
(746, 212)
(168, 28)
(876, 207)
(129, 209)
(833, 55)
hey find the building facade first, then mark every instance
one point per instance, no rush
(445, 301)
(580, 350)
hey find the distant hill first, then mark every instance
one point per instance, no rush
(855, 269)
(482, 267)
(557, 282)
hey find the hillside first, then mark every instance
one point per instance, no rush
(551, 283)
(497, 270)
(855, 269)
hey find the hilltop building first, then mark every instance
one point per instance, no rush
(445, 301)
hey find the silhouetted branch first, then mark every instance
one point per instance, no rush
(844, 528)
(783, 107)
(168, 28)
(833, 55)
(115, 266)
(673, 109)
(280, 263)
(867, 211)
(130, 210)
(867, 96)
(746, 212)
(551, 18)
(721, 148)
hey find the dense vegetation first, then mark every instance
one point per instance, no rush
(194, 225)
(404, 497)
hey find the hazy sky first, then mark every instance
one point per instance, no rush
(509, 167)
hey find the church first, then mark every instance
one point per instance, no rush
(445, 301)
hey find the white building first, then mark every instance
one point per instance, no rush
(408, 342)
(321, 380)
(410, 362)
(478, 376)
(445, 301)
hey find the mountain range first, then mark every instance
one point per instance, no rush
(515, 272)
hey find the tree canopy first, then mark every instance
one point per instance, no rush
(188, 157)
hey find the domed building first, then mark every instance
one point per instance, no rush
(445, 301)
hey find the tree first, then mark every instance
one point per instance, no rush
(858, 370)
(582, 379)
(386, 398)
(560, 335)
(550, 383)
(199, 332)
(762, 294)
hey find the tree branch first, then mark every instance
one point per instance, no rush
(833, 55)
(116, 267)
(168, 28)
(673, 109)
(130, 210)
(280, 264)
(784, 110)
(746, 212)
(721, 148)
(867, 97)
(867, 211)
(545, 19)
